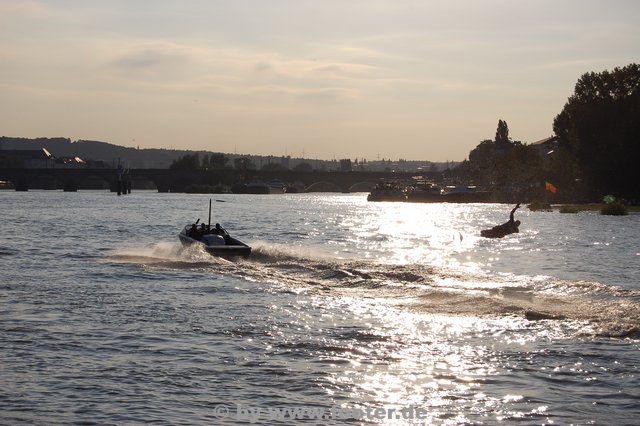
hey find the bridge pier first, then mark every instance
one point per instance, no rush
(22, 185)
(70, 185)
(121, 186)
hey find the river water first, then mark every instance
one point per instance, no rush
(371, 313)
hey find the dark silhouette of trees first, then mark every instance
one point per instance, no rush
(215, 162)
(302, 167)
(598, 134)
(502, 140)
(487, 161)
(243, 164)
(599, 128)
(188, 162)
(193, 162)
(503, 164)
(273, 167)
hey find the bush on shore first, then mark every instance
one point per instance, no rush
(536, 206)
(569, 209)
(614, 209)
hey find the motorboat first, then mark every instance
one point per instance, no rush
(214, 239)
(387, 191)
(276, 186)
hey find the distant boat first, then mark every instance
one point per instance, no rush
(257, 187)
(387, 191)
(464, 194)
(424, 192)
(276, 186)
(295, 188)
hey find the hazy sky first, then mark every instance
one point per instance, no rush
(324, 78)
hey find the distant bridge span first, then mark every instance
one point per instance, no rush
(167, 180)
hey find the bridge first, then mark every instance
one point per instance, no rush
(168, 180)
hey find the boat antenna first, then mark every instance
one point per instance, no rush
(209, 225)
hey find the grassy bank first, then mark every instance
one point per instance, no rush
(595, 207)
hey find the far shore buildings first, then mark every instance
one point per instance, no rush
(29, 158)
(38, 159)
(546, 146)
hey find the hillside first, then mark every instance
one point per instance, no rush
(158, 158)
(98, 151)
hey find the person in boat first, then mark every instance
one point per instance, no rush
(219, 230)
(193, 232)
(511, 225)
(203, 229)
(514, 223)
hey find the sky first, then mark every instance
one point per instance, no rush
(373, 79)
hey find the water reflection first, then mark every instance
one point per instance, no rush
(400, 359)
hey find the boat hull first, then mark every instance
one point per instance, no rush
(498, 232)
(385, 197)
(233, 248)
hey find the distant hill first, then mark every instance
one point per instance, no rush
(158, 158)
(151, 158)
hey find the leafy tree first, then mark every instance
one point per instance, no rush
(502, 135)
(218, 161)
(204, 164)
(489, 162)
(599, 126)
(193, 162)
(188, 162)
(504, 164)
(244, 164)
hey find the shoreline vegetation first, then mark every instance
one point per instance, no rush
(593, 150)
(614, 209)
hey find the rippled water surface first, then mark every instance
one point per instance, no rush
(343, 305)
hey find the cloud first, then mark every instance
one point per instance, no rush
(227, 73)
(22, 9)
(327, 95)
(149, 58)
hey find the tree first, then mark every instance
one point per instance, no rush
(204, 164)
(244, 164)
(188, 162)
(600, 127)
(218, 161)
(502, 135)
(503, 164)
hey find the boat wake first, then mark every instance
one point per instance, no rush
(165, 255)
(602, 310)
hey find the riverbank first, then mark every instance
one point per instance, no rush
(595, 207)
